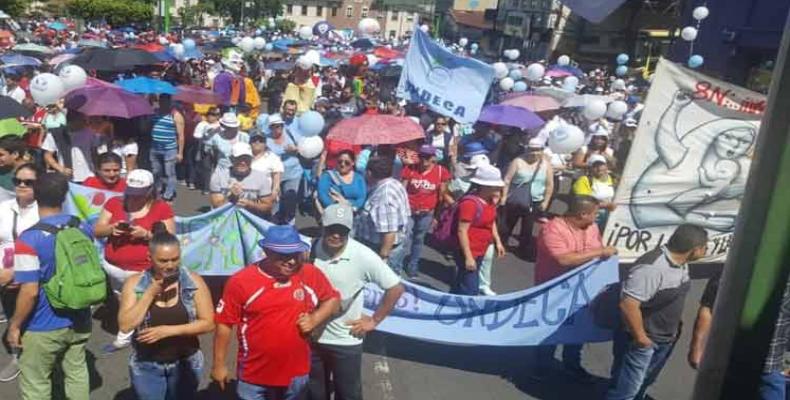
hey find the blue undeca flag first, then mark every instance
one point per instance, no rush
(450, 85)
(594, 11)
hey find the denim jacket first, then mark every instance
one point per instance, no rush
(185, 283)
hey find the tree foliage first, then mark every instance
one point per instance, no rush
(193, 15)
(114, 11)
(254, 10)
(14, 8)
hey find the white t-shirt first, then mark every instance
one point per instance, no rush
(82, 142)
(125, 150)
(17, 94)
(25, 218)
(269, 163)
(202, 127)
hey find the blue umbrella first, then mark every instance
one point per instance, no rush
(282, 44)
(363, 44)
(164, 56)
(57, 25)
(328, 62)
(18, 60)
(145, 85)
(280, 65)
(193, 53)
(91, 43)
(127, 29)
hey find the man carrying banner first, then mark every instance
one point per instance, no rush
(651, 304)
(565, 243)
(349, 265)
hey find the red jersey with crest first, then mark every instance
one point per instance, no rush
(272, 351)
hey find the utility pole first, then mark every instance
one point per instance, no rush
(757, 268)
(166, 13)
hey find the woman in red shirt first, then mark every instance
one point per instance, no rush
(476, 217)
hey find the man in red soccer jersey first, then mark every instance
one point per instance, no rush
(277, 302)
(108, 168)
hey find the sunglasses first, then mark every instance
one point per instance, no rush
(344, 162)
(26, 182)
(338, 230)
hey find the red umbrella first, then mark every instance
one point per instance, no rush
(151, 47)
(383, 52)
(376, 129)
(196, 95)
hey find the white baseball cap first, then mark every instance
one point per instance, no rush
(594, 158)
(230, 120)
(139, 182)
(241, 149)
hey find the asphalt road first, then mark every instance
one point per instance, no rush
(399, 368)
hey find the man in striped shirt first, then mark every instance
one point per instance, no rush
(383, 222)
(167, 147)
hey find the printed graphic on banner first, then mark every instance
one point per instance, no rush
(688, 164)
(453, 86)
(224, 240)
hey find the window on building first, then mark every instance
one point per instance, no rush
(392, 34)
(334, 11)
(534, 4)
(349, 11)
(409, 18)
(304, 10)
(319, 11)
(514, 3)
(394, 16)
(289, 9)
(515, 20)
(364, 12)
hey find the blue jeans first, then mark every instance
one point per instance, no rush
(773, 386)
(289, 200)
(335, 369)
(571, 356)
(466, 282)
(421, 225)
(178, 380)
(163, 166)
(248, 391)
(635, 368)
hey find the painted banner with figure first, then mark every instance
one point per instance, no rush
(224, 240)
(688, 163)
(453, 86)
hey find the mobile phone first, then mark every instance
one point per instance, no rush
(169, 280)
(124, 226)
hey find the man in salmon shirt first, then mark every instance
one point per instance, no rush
(565, 243)
(277, 303)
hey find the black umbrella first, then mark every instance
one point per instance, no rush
(9, 108)
(114, 59)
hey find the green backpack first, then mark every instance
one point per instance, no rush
(79, 280)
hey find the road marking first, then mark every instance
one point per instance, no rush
(381, 368)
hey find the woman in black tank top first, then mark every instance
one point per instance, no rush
(168, 307)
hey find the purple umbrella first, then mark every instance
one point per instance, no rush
(517, 117)
(108, 101)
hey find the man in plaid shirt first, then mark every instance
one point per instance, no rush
(384, 220)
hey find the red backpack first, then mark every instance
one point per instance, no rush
(445, 236)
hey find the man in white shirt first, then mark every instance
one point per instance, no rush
(83, 143)
(13, 90)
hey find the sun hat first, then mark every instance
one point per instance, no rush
(488, 175)
(536, 143)
(283, 239)
(240, 149)
(276, 119)
(230, 120)
(338, 214)
(139, 182)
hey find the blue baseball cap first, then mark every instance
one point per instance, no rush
(473, 149)
(283, 239)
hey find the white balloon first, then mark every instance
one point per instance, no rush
(514, 54)
(46, 89)
(617, 110)
(247, 44)
(618, 84)
(594, 109)
(235, 40)
(163, 40)
(259, 43)
(566, 139)
(500, 70)
(535, 72)
(506, 83)
(372, 60)
(177, 49)
(563, 60)
(369, 26)
(304, 63)
(313, 56)
(700, 13)
(311, 147)
(463, 42)
(73, 77)
(306, 32)
(424, 28)
(689, 33)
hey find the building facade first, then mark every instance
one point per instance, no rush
(346, 14)
(525, 25)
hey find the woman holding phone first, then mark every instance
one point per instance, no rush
(168, 307)
(127, 222)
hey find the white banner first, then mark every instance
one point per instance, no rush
(688, 163)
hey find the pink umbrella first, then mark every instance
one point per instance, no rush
(197, 95)
(376, 129)
(61, 58)
(92, 82)
(532, 102)
(557, 73)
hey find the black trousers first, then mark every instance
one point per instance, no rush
(335, 369)
(8, 299)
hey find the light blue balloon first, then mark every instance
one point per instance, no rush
(258, 32)
(311, 123)
(269, 47)
(520, 86)
(189, 44)
(696, 61)
(621, 70)
(622, 59)
(475, 46)
(515, 74)
(263, 124)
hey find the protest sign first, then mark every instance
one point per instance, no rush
(688, 163)
(453, 86)
(224, 240)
